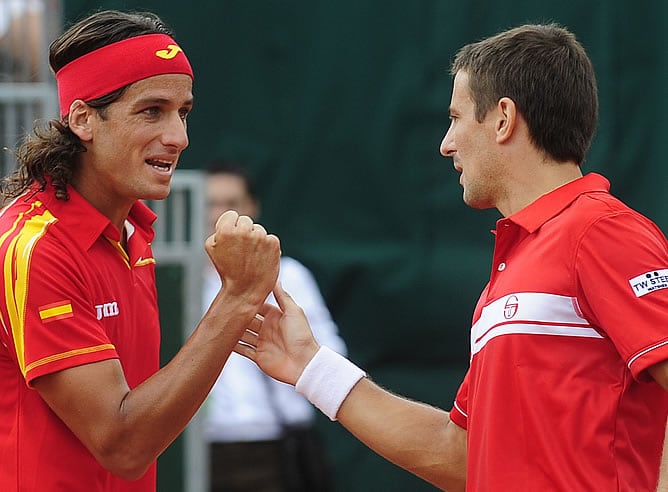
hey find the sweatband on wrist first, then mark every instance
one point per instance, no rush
(118, 64)
(327, 379)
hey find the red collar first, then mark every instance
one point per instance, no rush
(79, 215)
(537, 213)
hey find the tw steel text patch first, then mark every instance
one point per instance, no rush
(649, 282)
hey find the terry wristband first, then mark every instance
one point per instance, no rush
(327, 379)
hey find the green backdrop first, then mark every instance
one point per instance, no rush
(339, 109)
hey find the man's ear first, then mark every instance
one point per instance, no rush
(79, 120)
(507, 119)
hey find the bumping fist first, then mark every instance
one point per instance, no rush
(245, 256)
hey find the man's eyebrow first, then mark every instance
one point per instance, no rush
(453, 110)
(160, 100)
(151, 100)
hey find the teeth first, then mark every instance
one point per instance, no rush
(160, 163)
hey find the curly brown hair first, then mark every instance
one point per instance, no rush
(52, 152)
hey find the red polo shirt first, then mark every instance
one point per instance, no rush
(70, 296)
(557, 397)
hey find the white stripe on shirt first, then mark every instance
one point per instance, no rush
(532, 313)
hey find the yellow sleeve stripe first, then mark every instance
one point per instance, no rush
(65, 355)
(52, 313)
(15, 268)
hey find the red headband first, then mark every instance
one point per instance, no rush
(116, 65)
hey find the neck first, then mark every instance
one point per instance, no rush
(538, 181)
(107, 204)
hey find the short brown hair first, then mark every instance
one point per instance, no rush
(547, 73)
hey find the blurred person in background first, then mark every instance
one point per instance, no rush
(261, 431)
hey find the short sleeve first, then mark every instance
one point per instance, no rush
(622, 273)
(51, 315)
(459, 411)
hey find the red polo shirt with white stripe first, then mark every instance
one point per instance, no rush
(557, 396)
(70, 296)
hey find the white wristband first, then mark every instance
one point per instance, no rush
(327, 379)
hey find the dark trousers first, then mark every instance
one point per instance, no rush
(295, 463)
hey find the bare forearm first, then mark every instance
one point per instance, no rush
(127, 429)
(414, 436)
(158, 410)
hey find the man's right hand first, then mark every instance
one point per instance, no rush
(282, 344)
(245, 256)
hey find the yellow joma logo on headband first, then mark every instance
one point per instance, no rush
(171, 51)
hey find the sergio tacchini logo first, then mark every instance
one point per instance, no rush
(511, 306)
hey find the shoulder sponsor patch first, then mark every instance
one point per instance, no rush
(649, 282)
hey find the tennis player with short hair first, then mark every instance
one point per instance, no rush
(566, 389)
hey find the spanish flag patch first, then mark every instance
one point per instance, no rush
(55, 311)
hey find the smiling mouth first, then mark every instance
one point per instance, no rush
(160, 164)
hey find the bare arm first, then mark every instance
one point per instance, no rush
(126, 429)
(417, 437)
(660, 374)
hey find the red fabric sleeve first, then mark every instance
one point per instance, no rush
(459, 411)
(616, 255)
(59, 327)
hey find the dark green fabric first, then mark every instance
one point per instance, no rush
(170, 281)
(339, 109)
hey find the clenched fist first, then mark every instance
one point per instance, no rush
(246, 257)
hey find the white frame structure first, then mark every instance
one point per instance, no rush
(180, 234)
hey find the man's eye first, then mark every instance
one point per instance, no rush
(152, 111)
